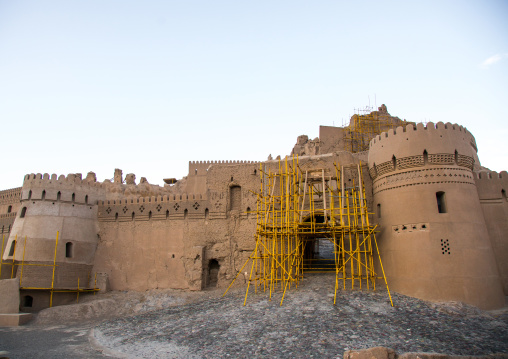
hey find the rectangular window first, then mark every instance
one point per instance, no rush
(441, 202)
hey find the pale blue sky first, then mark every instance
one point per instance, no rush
(147, 86)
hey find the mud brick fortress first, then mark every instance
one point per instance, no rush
(440, 218)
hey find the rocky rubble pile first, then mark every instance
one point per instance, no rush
(306, 325)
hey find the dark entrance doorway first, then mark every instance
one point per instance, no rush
(319, 256)
(213, 272)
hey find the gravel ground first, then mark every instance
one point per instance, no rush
(307, 325)
(47, 342)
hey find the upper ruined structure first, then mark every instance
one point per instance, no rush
(442, 219)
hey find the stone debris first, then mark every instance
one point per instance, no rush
(387, 353)
(307, 325)
(110, 305)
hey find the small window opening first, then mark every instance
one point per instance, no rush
(43, 197)
(167, 214)
(9, 209)
(68, 250)
(441, 202)
(248, 212)
(150, 215)
(23, 213)
(231, 178)
(425, 157)
(13, 248)
(86, 199)
(213, 272)
(173, 256)
(133, 215)
(379, 210)
(456, 157)
(73, 197)
(58, 196)
(424, 226)
(30, 194)
(394, 162)
(185, 213)
(28, 301)
(116, 216)
(206, 214)
(503, 194)
(196, 171)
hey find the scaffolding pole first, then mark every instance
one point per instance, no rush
(365, 125)
(52, 289)
(297, 208)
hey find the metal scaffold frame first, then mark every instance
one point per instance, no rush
(51, 289)
(296, 207)
(364, 127)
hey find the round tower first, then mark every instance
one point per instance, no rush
(433, 241)
(67, 205)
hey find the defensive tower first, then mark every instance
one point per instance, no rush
(434, 240)
(51, 204)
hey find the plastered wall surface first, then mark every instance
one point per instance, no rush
(9, 207)
(431, 252)
(9, 296)
(492, 188)
(179, 234)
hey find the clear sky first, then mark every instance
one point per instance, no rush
(147, 86)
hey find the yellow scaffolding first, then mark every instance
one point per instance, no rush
(51, 289)
(364, 127)
(297, 207)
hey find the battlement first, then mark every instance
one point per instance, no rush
(10, 195)
(173, 207)
(73, 188)
(492, 175)
(70, 188)
(441, 139)
(185, 197)
(224, 162)
(72, 178)
(492, 185)
(440, 126)
(200, 167)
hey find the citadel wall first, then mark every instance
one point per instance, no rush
(331, 138)
(434, 240)
(9, 206)
(187, 238)
(48, 205)
(492, 187)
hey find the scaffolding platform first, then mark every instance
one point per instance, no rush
(78, 289)
(298, 208)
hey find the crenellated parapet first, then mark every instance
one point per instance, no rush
(492, 185)
(200, 167)
(417, 146)
(167, 207)
(70, 188)
(155, 199)
(10, 195)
